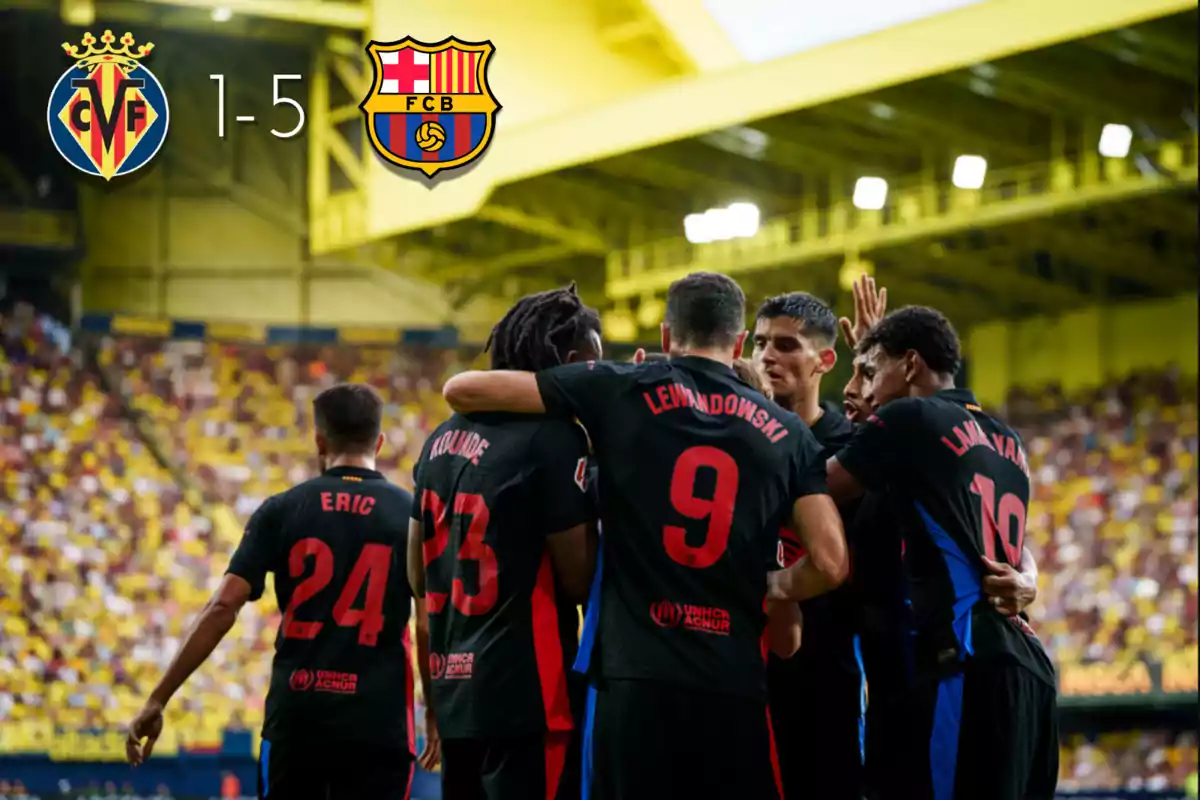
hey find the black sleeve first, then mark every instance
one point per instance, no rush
(584, 390)
(417, 488)
(256, 552)
(879, 448)
(808, 465)
(564, 471)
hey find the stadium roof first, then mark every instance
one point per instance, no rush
(1028, 115)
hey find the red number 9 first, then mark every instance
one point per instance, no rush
(718, 511)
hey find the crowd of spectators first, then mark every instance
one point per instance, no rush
(1134, 760)
(1113, 519)
(121, 498)
(103, 561)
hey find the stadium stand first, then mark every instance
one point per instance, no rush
(1113, 523)
(1138, 761)
(109, 552)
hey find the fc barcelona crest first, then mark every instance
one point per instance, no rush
(430, 106)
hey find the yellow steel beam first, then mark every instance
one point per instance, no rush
(335, 216)
(1164, 61)
(57, 230)
(959, 306)
(580, 240)
(631, 27)
(459, 270)
(14, 182)
(696, 33)
(998, 277)
(695, 181)
(982, 128)
(1040, 190)
(324, 13)
(533, 143)
(169, 17)
(1111, 256)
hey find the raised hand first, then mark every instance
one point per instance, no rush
(870, 305)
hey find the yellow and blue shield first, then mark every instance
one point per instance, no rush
(430, 107)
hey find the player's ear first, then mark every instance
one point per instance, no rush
(912, 365)
(739, 346)
(666, 337)
(378, 444)
(826, 358)
(322, 445)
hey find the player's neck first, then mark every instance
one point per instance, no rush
(359, 461)
(721, 357)
(931, 384)
(806, 405)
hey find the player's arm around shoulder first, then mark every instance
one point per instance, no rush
(494, 390)
(877, 451)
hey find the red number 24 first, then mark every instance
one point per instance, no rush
(372, 568)
(998, 522)
(718, 510)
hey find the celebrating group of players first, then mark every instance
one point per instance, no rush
(751, 563)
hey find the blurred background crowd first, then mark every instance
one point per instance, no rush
(129, 464)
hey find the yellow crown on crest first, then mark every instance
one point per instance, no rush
(124, 57)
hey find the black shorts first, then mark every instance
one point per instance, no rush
(333, 771)
(531, 767)
(817, 717)
(646, 740)
(989, 733)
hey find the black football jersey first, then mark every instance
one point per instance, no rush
(828, 648)
(337, 546)
(959, 483)
(490, 489)
(880, 596)
(698, 471)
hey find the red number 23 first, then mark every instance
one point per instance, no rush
(473, 548)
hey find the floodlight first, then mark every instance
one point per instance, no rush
(1115, 141)
(870, 194)
(969, 172)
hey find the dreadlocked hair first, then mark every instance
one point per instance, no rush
(541, 329)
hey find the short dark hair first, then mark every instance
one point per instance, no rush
(925, 330)
(349, 416)
(746, 371)
(706, 309)
(817, 319)
(541, 330)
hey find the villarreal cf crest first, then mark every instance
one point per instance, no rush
(108, 114)
(430, 107)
